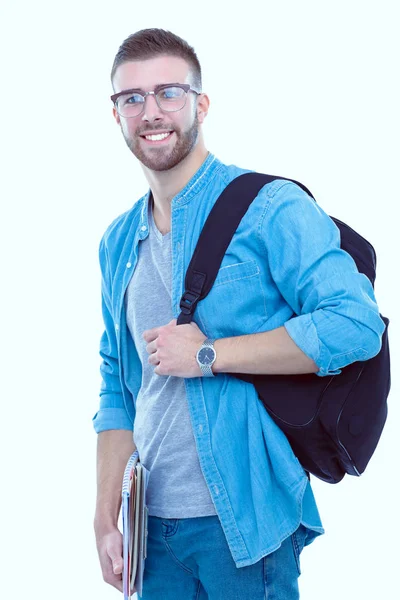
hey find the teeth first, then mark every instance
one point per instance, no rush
(155, 138)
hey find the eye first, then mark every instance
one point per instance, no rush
(132, 99)
(170, 93)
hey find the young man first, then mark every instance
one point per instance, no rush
(230, 506)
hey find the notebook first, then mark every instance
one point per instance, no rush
(134, 525)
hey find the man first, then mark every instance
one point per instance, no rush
(230, 508)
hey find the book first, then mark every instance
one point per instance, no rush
(134, 525)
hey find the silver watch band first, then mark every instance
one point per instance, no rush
(207, 371)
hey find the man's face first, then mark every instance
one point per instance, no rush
(183, 124)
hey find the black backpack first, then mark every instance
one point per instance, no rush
(333, 423)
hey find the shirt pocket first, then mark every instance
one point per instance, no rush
(236, 303)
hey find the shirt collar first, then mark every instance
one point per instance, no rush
(193, 187)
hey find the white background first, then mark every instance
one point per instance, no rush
(322, 107)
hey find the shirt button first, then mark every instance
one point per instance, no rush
(144, 228)
(200, 428)
(128, 265)
(178, 246)
(216, 490)
(116, 327)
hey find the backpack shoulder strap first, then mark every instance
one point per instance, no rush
(216, 235)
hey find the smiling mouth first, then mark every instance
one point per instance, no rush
(158, 138)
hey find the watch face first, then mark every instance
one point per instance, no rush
(206, 356)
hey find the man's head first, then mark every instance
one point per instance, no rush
(145, 60)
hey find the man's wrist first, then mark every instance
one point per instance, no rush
(107, 513)
(104, 522)
(266, 353)
(217, 366)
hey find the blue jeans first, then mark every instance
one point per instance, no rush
(189, 559)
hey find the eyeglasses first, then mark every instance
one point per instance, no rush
(170, 97)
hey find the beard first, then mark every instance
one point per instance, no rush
(165, 158)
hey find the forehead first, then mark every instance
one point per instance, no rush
(146, 74)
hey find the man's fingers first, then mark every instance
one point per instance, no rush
(117, 566)
(152, 347)
(115, 554)
(150, 334)
(114, 579)
(109, 546)
(111, 560)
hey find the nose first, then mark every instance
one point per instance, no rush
(152, 111)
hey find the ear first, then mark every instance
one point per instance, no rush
(116, 116)
(203, 104)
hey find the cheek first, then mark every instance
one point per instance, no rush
(129, 128)
(182, 120)
(184, 124)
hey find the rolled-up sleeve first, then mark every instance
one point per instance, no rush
(112, 413)
(337, 319)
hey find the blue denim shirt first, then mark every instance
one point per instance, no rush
(284, 266)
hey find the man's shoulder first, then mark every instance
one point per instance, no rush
(280, 183)
(280, 191)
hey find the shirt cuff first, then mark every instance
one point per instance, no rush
(304, 334)
(111, 418)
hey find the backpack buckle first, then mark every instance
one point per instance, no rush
(188, 302)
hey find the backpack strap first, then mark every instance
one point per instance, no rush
(216, 235)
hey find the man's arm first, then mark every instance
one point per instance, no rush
(335, 319)
(173, 350)
(114, 447)
(270, 353)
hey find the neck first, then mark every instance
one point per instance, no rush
(165, 185)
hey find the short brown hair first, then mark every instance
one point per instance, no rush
(149, 43)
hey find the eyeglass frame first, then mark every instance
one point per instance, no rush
(185, 86)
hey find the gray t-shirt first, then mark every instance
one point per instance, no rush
(162, 428)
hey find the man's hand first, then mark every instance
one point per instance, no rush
(109, 547)
(173, 348)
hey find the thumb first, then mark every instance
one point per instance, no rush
(116, 560)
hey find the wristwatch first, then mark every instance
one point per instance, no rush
(206, 357)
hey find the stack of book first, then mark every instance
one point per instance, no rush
(134, 523)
